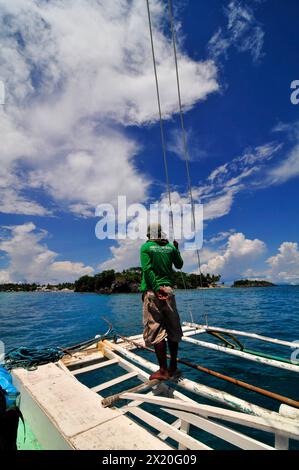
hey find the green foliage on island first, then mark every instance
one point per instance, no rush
(25, 287)
(110, 282)
(129, 280)
(252, 283)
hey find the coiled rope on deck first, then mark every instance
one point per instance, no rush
(31, 358)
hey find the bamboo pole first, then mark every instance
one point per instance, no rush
(250, 356)
(261, 391)
(112, 399)
(240, 333)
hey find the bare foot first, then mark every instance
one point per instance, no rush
(160, 375)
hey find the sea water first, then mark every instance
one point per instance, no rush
(62, 319)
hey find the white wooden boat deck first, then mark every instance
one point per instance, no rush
(65, 414)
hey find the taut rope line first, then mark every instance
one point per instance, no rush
(163, 140)
(184, 137)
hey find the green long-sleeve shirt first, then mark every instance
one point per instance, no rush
(157, 259)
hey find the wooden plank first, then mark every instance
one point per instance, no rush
(82, 358)
(65, 414)
(121, 433)
(166, 428)
(223, 432)
(286, 427)
(185, 427)
(115, 381)
(176, 425)
(112, 399)
(96, 366)
(281, 442)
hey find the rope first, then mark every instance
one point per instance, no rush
(160, 115)
(185, 145)
(163, 140)
(31, 358)
(184, 136)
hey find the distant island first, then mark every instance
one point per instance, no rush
(252, 283)
(34, 287)
(128, 281)
(112, 282)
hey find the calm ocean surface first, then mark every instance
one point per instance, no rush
(61, 319)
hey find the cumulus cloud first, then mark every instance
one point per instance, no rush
(242, 32)
(239, 254)
(30, 260)
(284, 267)
(124, 255)
(76, 75)
(227, 253)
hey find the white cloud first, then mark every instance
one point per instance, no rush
(251, 161)
(242, 31)
(176, 146)
(238, 258)
(240, 254)
(288, 169)
(219, 237)
(76, 74)
(124, 255)
(224, 183)
(243, 172)
(30, 260)
(4, 277)
(220, 170)
(284, 267)
(218, 206)
(12, 201)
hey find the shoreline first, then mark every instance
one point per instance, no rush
(70, 291)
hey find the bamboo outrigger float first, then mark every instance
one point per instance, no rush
(255, 356)
(65, 414)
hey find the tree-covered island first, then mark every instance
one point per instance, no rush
(252, 283)
(110, 282)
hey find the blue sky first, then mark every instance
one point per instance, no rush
(80, 126)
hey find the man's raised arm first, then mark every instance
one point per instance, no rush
(177, 259)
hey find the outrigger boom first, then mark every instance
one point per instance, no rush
(255, 356)
(268, 339)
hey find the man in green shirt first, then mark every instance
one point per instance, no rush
(160, 316)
